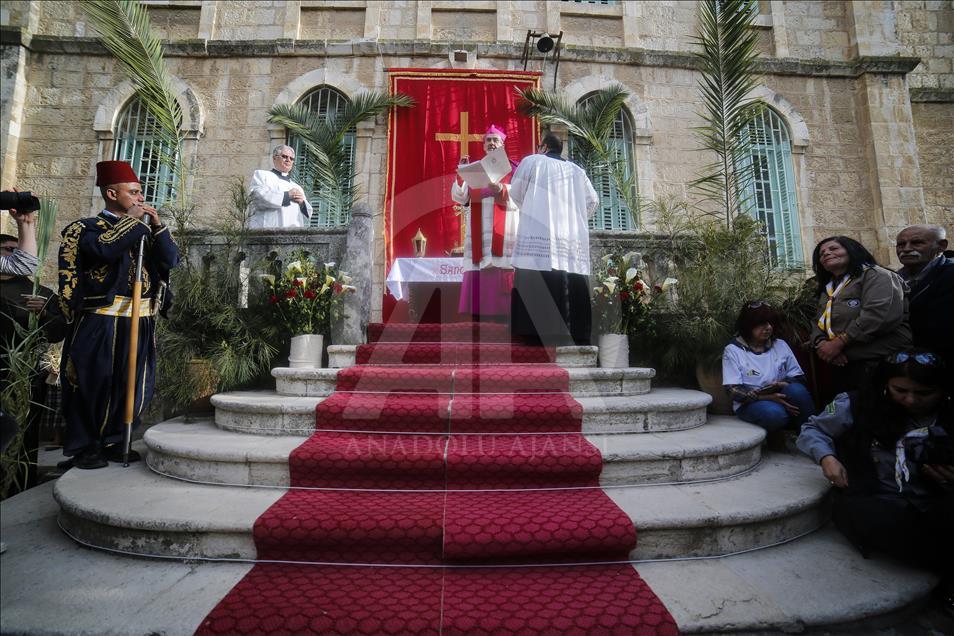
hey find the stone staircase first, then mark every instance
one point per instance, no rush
(728, 534)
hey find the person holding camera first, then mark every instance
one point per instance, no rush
(97, 264)
(888, 449)
(20, 260)
(18, 303)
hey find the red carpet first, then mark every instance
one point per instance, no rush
(446, 459)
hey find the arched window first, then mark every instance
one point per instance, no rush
(772, 191)
(138, 142)
(612, 212)
(327, 102)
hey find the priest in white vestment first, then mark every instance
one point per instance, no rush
(490, 228)
(551, 254)
(276, 200)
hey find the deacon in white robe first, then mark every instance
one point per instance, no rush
(276, 200)
(551, 254)
(488, 276)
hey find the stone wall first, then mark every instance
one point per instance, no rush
(816, 30)
(926, 30)
(934, 124)
(866, 160)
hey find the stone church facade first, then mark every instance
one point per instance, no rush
(861, 95)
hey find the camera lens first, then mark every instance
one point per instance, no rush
(19, 201)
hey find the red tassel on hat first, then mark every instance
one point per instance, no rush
(111, 172)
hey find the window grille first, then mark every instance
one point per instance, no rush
(327, 102)
(771, 193)
(612, 212)
(138, 142)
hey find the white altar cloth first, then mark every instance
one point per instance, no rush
(422, 270)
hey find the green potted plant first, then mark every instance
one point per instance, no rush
(718, 268)
(210, 342)
(303, 300)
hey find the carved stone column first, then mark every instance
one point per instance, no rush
(357, 261)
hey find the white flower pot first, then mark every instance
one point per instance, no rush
(614, 350)
(305, 351)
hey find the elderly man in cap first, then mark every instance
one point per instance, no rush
(276, 200)
(97, 263)
(929, 274)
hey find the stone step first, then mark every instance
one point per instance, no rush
(816, 582)
(667, 409)
(438, 332)
(342, 356)
(584, 381)
(135, 510)
(201, 452)
(781, 499)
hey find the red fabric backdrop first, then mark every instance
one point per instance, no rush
(423, 153)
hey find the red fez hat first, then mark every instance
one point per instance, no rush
(110, 172)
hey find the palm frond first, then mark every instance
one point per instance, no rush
(327, 162)
(601, 109)
(124, 29)
(45, 226)
(727, 60)
(553, 108)
(590, 124)
(364, 106)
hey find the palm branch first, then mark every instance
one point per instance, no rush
(591, 126)
(727, 61)
(328, 161)
(124, 29)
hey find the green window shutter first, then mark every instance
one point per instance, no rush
(327, 102)
(138, 142)
(771, 196)
(611, 213)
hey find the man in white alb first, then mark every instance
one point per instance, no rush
(276, 200)
(551, 254)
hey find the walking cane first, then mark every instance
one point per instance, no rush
(133, 355)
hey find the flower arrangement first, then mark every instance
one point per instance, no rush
(306, 296)
(621, 298)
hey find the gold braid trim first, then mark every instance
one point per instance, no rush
(99, 273)
(69, 279)
(123, 227)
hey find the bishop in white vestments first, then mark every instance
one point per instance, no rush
(551, 254)
(276, 200)
(490, 228)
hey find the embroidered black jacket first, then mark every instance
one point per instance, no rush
(97, 261)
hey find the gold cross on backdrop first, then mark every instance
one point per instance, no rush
(464, 137)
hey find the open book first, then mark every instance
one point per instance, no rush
(491, 169)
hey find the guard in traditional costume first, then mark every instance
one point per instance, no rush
(551, 253)
(276, 200)
(488, 242)
(97, 263)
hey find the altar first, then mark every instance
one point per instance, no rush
(429, 286)
(425, 147)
